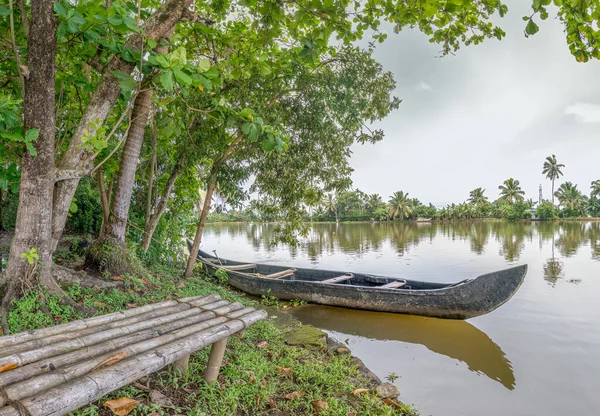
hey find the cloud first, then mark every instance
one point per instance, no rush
(584, 112)
(423, 86)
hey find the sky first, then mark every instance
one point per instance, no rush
(489, 113)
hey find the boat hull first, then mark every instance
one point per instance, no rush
(464, 300)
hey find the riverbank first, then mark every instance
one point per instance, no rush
(277, 366)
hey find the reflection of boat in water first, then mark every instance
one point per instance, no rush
(455, 339)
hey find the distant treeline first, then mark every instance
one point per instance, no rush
(356, 205)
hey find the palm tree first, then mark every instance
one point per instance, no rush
(595, 188)
(329, 204)
(476, 196)
(571, 198)
(511, 191)
(400, 205)
(552, 171)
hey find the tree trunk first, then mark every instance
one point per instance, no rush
(103, 199)
(106, 94)
(198, 238)
(34, 217)
(150, 179)
(162, 204)
(119, 213)
(552, 192)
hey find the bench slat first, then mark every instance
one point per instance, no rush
(394, 285)
(239, 267)
(281, 274)
(339, 279)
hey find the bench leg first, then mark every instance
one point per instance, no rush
(182, 364)
(215, 360)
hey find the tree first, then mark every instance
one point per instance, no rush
(400, 205)
(477, 197)
(571, 200)
(546, 211)
(329, 204)
(595, 188)
(552, 170)
(511, 191)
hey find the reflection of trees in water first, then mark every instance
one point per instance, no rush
(511, 236)
(572, 236)
(329, 238)
(594, 237)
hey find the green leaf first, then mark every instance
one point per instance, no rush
(130, 23)
(166, 80)
(31, 149)
(126, 81)
(203, 65)
(72, 26)
(60, 10)
(163, 61)
(151, 43)
(182, 77)
(32, 134)
(5, 11)
(531, 28)
(91, 35)
(179, 56)
(115, 20)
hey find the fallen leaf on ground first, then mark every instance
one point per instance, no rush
(319, 405)
(264, 382)
(7, 367)
(100, 304)
(262, 344)
(181, 285)
(122, 406)
(160, 399)
(257, 401)
(140, 386)
(271, 403)
(146, 281)
(359, 391)
(393, 403)
(131, 305)
(118, 278)
(284, 371)
(111, 360)
(294, 395)
(251, 379)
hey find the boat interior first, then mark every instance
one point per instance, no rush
(321, 276)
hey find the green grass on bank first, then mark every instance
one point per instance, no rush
(255, 380)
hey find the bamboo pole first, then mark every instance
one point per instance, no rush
(24, 357)
(20, 337)
(46, 381)
(69, 396)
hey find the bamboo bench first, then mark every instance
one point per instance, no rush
(56, 370)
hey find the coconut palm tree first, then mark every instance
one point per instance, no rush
(571, 198)
(595, 188)
(476, 196)
(400, 205)
(511, 191)
(552, 170)
(329, 204)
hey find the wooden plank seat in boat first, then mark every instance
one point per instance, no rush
(394, 285)
(239, 266)
(56, 370)
(339, 279)
(281, 274)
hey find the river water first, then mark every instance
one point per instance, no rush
(539, 354)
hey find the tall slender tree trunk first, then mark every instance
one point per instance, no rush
(34, 216)
(105, 96)
(552, 192)
(154, 218)
(151, 178)
(191, 263)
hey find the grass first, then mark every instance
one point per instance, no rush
(255, 378)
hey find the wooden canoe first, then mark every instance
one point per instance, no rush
(463, 300)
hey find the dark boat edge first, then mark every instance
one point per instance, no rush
(462, 300)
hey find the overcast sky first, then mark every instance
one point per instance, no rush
(491, 112)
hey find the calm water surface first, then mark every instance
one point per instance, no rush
(539, 354)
